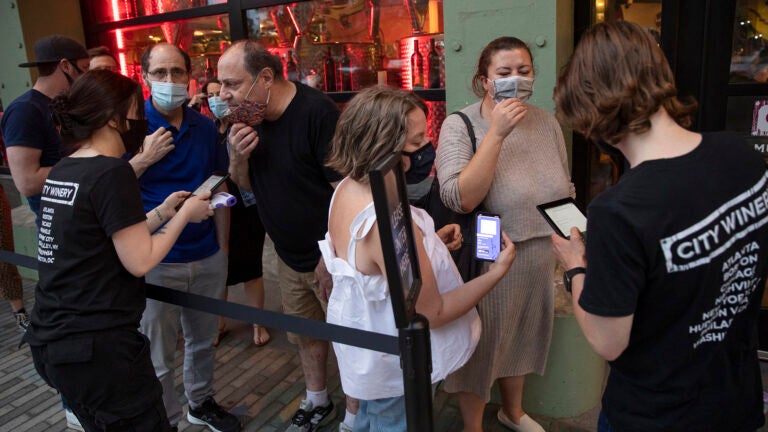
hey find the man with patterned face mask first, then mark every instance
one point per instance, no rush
(280, 135)
(198, 261)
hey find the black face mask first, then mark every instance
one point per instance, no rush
(421, 163)
(133, 138)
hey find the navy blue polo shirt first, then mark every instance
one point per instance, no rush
(197, 154)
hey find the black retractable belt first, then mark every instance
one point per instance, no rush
(307, 327)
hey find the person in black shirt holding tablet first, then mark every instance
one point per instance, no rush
(677, 251)
(95, 245)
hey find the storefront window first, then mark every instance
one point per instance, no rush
(347, 46)
(202, 38)
(749, 59)
(604, 171)
(118, 10)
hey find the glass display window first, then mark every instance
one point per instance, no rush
(749, 57)
(118, 10)
(203, 39)
(339, 46)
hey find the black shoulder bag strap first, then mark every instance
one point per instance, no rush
(464, 258)
(470, 129)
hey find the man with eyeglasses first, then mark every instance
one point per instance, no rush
(197, 263)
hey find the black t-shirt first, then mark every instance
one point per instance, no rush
(682, 244)
(289, 177)
(83, 286)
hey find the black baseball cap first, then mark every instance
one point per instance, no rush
(54, 48)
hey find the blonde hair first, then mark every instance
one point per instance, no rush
(373, 125)
(616, 80)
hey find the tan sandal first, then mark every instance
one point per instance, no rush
(259, 334)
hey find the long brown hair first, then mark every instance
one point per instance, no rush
(93, 100)
(616, 80)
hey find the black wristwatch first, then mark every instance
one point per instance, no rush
(569, 274)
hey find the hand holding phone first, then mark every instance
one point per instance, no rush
(487, 236)
(209, 185)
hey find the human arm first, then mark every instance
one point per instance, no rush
(243, 140)
(165, 211)
(441, 309)
(221, 221)
(28, 176)
(324, 281)
(139, 251)
(608, 336)
(156, 145)
(451, 236)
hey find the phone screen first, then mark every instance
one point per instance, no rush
(487, 237)
(209, 184)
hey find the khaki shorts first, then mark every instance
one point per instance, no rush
(299, 297)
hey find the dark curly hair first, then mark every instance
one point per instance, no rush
(616, 80)
(93, 100)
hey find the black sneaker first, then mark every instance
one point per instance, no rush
(22, 319)
(214, 416)
(308, 418)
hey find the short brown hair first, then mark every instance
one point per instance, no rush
(373, 125)
(256, 58)
(616, 80)
(499, 44)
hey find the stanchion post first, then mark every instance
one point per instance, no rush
(401, 262)
(416, 362)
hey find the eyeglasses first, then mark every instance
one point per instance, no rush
(160, 74)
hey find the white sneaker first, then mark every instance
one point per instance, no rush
(72, 421)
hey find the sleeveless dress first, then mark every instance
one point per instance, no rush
(363, 302)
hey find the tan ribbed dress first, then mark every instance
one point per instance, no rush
(517, 314)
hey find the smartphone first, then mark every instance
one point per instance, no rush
(504, 88)
(209, 185)
(487, 236)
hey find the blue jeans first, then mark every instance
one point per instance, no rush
(381, 415)
(603, 425)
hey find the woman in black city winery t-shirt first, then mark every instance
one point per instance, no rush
(95, 245)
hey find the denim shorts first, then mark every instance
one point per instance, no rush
(381, 415)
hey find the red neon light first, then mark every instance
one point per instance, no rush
(119, 38)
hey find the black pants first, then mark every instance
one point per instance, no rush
(107, 379)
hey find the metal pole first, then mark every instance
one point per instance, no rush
(416, 361)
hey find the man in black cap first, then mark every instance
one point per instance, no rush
(32, 142)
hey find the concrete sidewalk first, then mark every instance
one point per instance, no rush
(261, 385)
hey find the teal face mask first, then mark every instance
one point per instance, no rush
(218, 107)
(168, 96)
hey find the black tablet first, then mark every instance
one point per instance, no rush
(562, 215)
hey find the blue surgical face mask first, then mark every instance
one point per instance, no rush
(168, 96)
(218, 107)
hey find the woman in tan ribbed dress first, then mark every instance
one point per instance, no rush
(520, 162)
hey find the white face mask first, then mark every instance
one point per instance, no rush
(168, 96)
(218, 107)
(515, 86)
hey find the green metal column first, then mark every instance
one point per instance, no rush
(574, 377)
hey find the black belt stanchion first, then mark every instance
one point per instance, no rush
(393, 215)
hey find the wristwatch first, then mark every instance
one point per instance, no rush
(569, 274)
